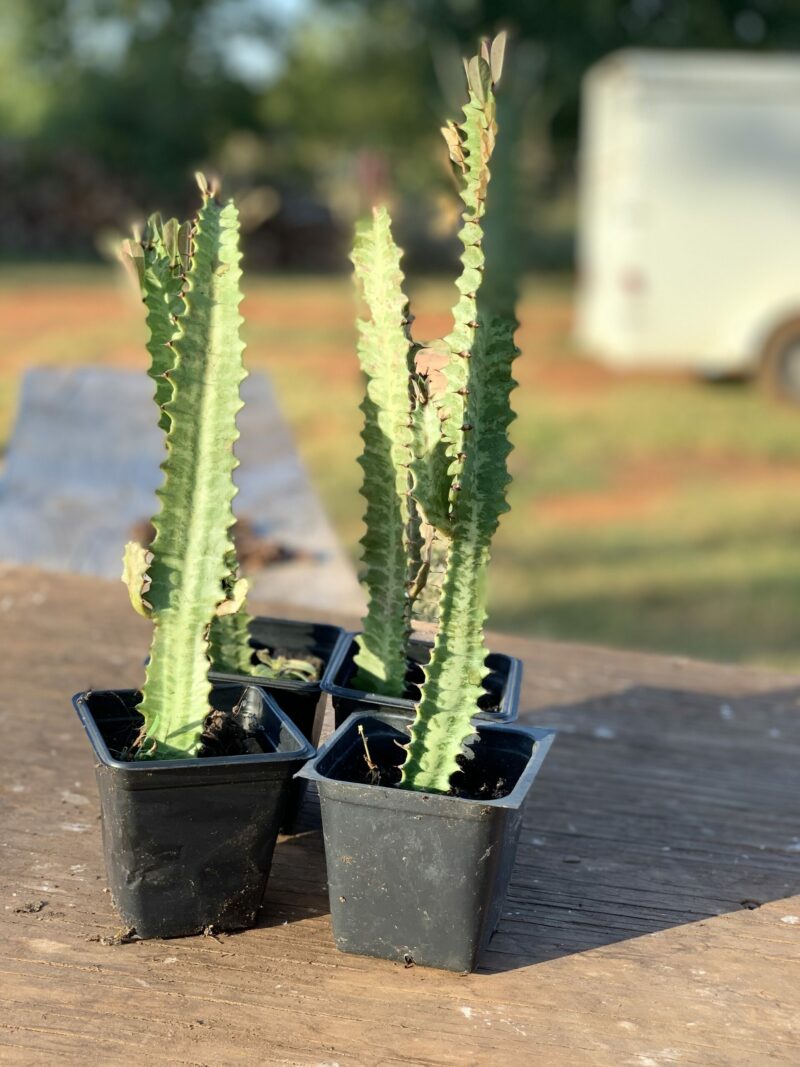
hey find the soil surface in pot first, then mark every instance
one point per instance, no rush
(485, 774)
(223, 735)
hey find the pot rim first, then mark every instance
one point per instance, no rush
(328, 683)
(417, 800)
(303, 749)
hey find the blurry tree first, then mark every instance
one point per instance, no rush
(573, 34)
(371, 74)
(116, 100)
(148, 83)
(353, 83)
(25, 91)
(106, 105)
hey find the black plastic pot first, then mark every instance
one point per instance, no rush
(303, 702)
(188, 843)
(500, 703)
(420, 877)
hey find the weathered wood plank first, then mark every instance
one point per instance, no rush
(80, 474)
(667, 810)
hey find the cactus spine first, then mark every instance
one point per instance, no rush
(186, 579)
(460, 418)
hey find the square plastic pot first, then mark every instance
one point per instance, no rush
(188, 843)
(420, 877)
(502, 684)
(303, 702)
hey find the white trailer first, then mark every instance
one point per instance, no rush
(689, 225)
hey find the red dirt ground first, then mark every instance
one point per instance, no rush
(313, 327)
(642, 487)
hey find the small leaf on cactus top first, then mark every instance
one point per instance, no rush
(131, 256)
(235, 598)
(497, 55)
(135, 562)
(454, 146)
(479, 75)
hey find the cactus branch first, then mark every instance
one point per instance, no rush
(229, 636)
(192, 542)
(160, 259)
(476, 137)
(454, 676)
(475, 410)
(391, 538)
(430, 465)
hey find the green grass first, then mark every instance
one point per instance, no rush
(658, 514)
(719, 581)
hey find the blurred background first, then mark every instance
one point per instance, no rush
(656, 145)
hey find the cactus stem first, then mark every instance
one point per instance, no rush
(389, 542)
(474, 429)
(196, 364)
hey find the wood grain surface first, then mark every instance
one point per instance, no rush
(650, 919)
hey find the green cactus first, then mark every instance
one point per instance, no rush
(476, 412)
(391, 539)
(456, 671)
(460, 414)
(185, 580)
(230, 648)
(160, 258)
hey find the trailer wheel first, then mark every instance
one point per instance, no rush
(780, 364)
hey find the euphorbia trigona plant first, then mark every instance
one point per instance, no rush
(436, 445)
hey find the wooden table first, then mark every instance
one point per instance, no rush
(649, 921)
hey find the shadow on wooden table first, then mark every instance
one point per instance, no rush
(298, 888)
(655, 808)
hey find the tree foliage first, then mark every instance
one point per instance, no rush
(85, 84)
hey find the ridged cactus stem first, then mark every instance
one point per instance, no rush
(391, 539)
(470, 144)
(440, 416)
(454, 676)
(160, 259)
(474, 406)
(187, 577)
